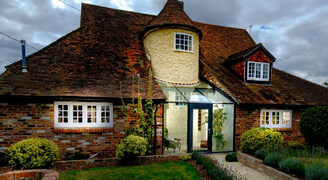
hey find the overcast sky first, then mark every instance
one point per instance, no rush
(294, 31)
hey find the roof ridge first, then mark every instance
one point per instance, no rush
(98, 6)
(319, 85)
(44, 48)
(229, 27)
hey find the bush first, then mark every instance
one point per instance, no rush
(295, 145)
(3, 159)
(292, 166)
(33, 153)
(314, 126)
(316, 172)
(257, 138)
(261, 153)
(231, 157)
(130, 147)
(273, 159)
(212, 170)
(185, 157)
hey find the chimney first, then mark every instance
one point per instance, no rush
(181, 4)
(24, 67)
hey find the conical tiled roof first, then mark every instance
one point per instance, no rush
(172, 15)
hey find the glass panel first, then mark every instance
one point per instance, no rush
(194, 96)
(200, 137)
(285, 118)
(265, 71)
(251, 70)
(77, 114)
(92, 110)
(175, 123)
(222, 128)
(258, 71)
(62, 113)
(105, 114)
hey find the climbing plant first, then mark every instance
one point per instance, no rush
(218, 119)
(143, 125)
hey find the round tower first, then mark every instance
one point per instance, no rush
(171, 43)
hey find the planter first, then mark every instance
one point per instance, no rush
(35, 174)
(258, 165)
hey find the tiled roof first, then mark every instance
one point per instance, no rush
(93, 60)
(172, 15)
(89, 62)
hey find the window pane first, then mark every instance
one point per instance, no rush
(258, 71)
(285, 118)
(265, 71)
(251, 70)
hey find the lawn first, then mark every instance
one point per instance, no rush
(164, 170)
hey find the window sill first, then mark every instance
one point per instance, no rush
(82, 130)
(184, 51)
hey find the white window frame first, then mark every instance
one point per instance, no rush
(261, 71)
(280, 125)
(84, 123)
(192, 42)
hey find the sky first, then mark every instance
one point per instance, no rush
(294, 31)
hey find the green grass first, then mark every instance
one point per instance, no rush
(164, 170)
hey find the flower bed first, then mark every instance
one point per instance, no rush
(258, 165)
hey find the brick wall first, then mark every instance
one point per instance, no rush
(22, 121)
(239, 68)
(259, 56)
(248, 117)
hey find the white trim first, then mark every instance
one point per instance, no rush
(280, 125)
(192, 42)
(84, 123)
(261, 71)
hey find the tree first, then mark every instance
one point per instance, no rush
(325, 84)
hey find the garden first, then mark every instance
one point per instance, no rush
(309, 161)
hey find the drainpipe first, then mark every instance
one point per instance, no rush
(24, 67)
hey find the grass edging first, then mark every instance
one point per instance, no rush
(257, 164)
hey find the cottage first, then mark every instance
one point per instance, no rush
(209, 84)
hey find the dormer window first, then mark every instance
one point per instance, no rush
(258, 71)
(183, 42)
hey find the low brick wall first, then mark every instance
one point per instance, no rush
(61, 166)
(35, 174)
(258, 165)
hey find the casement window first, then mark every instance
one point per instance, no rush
(183, 42)
(83, 114)
(276, 118)
(258, 71)
(180, 98)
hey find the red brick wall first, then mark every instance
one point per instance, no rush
(249, 117)
(259, 56)
(239, 69)
(22, 121)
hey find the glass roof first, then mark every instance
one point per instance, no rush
(192, 95)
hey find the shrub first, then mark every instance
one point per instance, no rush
(292, 166)
(257, 138)
(316, 172)
(213, 171)
(295, 145)
(185, 157)
(130, 147)
(261, 153)
(314, 126)
(33, 153)
(273, 159)
(231, 157)
(3, 159)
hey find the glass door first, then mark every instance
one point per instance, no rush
(200, 127)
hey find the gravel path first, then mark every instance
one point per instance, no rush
(240, 171)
